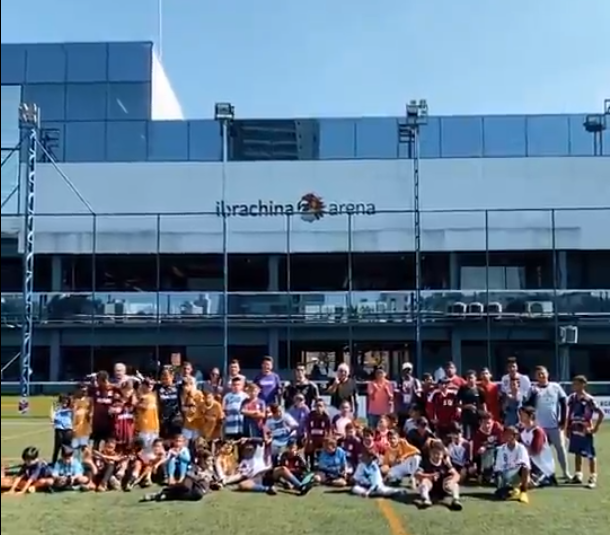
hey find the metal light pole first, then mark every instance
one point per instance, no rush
(416, 116)
(29, 118)
(224, 113)
(596, 124)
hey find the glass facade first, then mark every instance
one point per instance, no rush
(107, 88)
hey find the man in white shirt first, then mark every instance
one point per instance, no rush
(551, 404)
(512, 369)
(512, 468)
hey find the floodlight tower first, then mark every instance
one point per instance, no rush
(596, 124)
(29, 118)
(224, 113)
(416, 116)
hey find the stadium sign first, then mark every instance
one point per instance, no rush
(604, 404)
(310, 207)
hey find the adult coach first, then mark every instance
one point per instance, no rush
(551, 404)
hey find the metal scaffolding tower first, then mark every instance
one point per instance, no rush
(29, 119)
(416, 116)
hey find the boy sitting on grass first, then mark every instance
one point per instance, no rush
(33, 475)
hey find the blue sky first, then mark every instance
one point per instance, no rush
(289, 58)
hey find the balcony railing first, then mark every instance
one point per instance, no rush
(309, 307)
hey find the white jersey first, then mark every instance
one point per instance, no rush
(459, 453)
(543, 460)
(508, 458)
(525, 384)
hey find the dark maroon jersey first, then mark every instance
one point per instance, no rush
(102, 402)
(318, 426)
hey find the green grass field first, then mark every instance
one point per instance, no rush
(561, 511)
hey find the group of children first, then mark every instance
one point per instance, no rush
(192, 443)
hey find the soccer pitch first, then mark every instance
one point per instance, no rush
(561, 511)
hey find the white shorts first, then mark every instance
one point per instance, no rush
(189, 434)
(148, 439)
(79, 443)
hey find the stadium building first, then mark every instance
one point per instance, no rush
(311, 240)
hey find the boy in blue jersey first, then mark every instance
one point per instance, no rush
(62, 417)
(232, 404)
(332, 465)
(584, 419)
(33, 475)
(68, 472)
(178, 461)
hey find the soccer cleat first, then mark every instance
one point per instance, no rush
(425, 503)
(514, 494)
(524, 497)
(577, 479)
(271, 491)
(592, 483)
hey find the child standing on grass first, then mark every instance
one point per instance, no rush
(585, 417)
(62, 417)
(81, 419)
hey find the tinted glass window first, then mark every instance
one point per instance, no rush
(46, 63)
(273, 139)
(12, 64)
(86, 141)
(581, 141)
(126, 141)
(87, 62)
(52, 138)
(129, 62)
(504, 136)
(377, 137)
(606, 142)
(337, 139)
(11, 98)
(86, 102)
(205, 142)
(50, 99)
(129, 101)
(168, 141)
(548, 135)
(461, 137)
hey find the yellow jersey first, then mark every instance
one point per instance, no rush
(147, 413)
(81, 417)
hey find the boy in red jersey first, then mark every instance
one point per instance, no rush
(318, 427)
(486, 440)
(102, 397)
(491, 394)
(445, 408)
(352, 445)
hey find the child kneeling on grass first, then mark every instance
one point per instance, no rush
(437, 479)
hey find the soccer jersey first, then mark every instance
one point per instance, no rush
(333, 464)
(511, 458)
(102, 401)
(487, 439)
(445, 407)
(210, 421)
(548, 405)
(168, 397)
(318, 425)
(81, 422)
(540, 452)
(581, 411)
(459, 453)
(147, 414)
(295, 463)
(281, 429)
(234, 420)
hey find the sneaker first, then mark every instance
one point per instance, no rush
(515, 494)
(114, 483)
(456, 505)
(577, 480)
(151, 497)
(592, 483)
(271, 491)
(306, 488)
(425, 503)
(524, 497)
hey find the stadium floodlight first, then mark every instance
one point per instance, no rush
(416, 116)
(224, 113)
(29, 115)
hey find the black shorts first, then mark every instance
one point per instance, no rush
(102, 434)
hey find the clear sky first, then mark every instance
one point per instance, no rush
(290, 58)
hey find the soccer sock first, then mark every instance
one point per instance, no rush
(424, 492)
(293, 480)
(455, 492)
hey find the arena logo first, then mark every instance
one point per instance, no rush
(310, 207)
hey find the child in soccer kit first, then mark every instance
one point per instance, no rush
(512, 468)
(583, 422)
